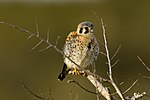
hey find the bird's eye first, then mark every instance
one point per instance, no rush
(81, 29)
(86, 30)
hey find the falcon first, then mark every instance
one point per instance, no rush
(81, 47)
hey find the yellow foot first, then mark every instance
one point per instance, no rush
(75, 72)
(83, 73)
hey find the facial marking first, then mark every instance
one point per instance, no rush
(81, 30)
(86, 30)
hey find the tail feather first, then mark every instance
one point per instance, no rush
(64, 73)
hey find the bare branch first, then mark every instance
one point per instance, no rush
(16, 27)
(116, 53)
(109, 62)
(130, 86)
(101, 89)
(143, 63)
(33, 34)
(136, 96)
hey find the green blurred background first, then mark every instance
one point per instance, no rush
(127, 24)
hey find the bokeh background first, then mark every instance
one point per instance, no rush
(127, 24)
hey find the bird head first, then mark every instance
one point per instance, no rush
(85, 28)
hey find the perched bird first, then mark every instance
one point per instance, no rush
(81, 47)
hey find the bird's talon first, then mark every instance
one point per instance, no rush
(75, 72)
(83, 73)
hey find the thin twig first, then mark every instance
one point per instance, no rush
(94, 13)
(32, 93)
(115, 63)
(29, 36)
(116, 53)
(47, 35)
(121, 83)
(73, 81)
(70, 95)
(76, 97)
(37, 27)
(130, 87)
(45, 48)
(94, 67)
(30, 33)
(37, 45)
(50, 94)
(143, 63)
(103, 53)
(57, 41)
(97, 96)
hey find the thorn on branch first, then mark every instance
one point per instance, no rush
(57, 41)
(29, 36)
(37, 27)
(37, 45)
(47, 35)
(121, 83)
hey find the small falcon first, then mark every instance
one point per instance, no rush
(81, 47)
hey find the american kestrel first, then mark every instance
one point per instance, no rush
(81, 47)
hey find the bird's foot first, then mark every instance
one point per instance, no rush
(75, 72)
(83, 73)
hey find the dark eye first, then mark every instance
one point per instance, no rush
(81, 29)
(86, 30)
